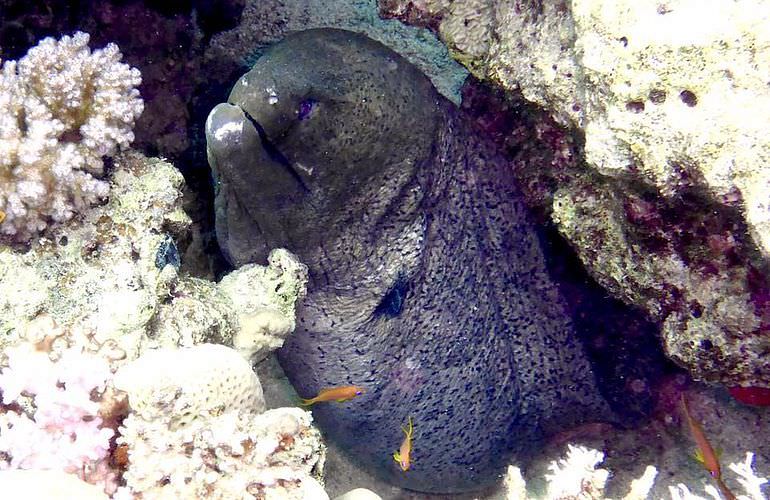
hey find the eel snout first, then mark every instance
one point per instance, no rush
(257, 182)
(243, 155)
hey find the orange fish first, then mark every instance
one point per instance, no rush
(2, 216)
(706, 453)
(403, 455)
(338, 394)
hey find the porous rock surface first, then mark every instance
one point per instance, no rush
(671, 212)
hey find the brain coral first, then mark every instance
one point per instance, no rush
(62, 108)
(184, 385)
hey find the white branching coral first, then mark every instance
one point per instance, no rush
(746, 477)
(576, 476)
(750, 481)
(62, 108)
(640, 487)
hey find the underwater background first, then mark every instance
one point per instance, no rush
(384, 249)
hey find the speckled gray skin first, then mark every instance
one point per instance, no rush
(427, 283)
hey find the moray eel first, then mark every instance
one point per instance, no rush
(427, 280)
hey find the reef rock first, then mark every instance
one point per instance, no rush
(427, 284)
(113, 282)
(108, 292)
(671, 212)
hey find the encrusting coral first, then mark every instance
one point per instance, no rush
(194, 383)
(125, 300)
(264, 298)
(62, 108)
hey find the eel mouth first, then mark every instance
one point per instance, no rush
(274, 153)
(259, 194)
(241, 153)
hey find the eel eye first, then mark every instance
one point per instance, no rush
(305, 108)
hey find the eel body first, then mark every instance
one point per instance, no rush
(427, 280)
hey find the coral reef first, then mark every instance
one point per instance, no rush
(62, 108)
(162, 40)
(275, 455)
(177, 387)
(669, 210)
(108, 293)
(264, 298)
(659, 215)
(113, 276)
(197, 428)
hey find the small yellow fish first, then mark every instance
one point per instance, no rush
(338, 394)
(705, 452)
(404, 454)
(2, 216)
